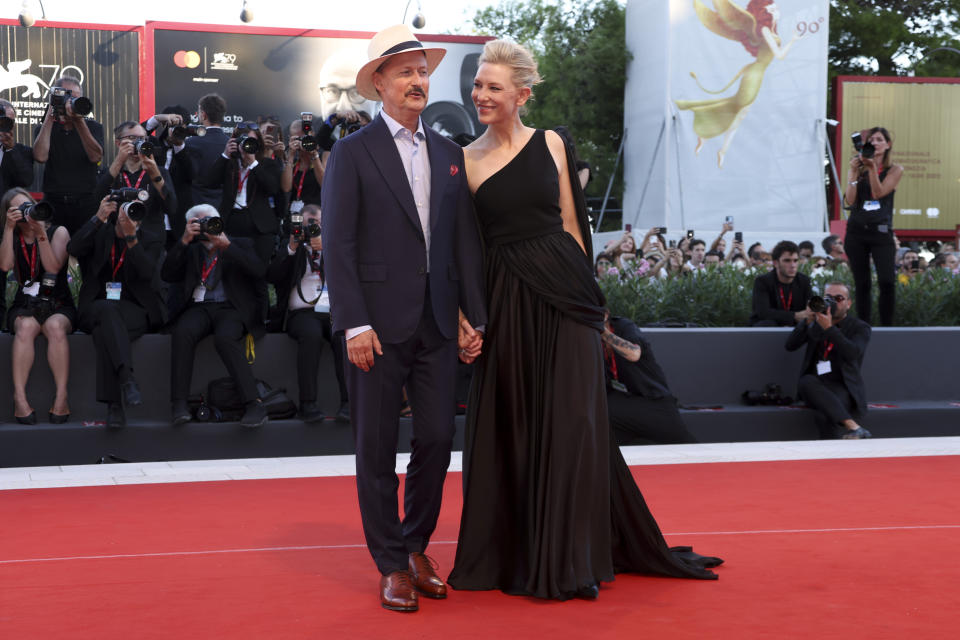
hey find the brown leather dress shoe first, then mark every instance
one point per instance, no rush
(424, 575)
(397, 592)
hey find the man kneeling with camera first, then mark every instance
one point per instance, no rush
(297, 273)
(220, 277)
(830, 380)
(118, 303)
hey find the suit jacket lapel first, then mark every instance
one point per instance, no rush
(383, 150)
(439, 173)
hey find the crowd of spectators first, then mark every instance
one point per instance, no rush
(179, 232)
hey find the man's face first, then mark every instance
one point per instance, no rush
(131, 135)
(603, 265)
(711, 261)
(787, 265)
(837, 249)
(337, 81)
(805, 255)
(951, 262)
(842, 295)
(697, 252)
(403, 83)
(7, 137)
(909, 258)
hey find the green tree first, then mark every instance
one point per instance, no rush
(891, 37)
(581, 53)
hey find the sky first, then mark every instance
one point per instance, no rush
(442, 16)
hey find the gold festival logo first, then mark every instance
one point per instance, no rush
(756, 29)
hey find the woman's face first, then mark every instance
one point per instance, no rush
(627, 245)
(879, 143)
(722, 245)
(602, 266)
(495, 96)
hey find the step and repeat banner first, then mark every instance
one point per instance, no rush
(728, 99)
(282, 75)
(922, 116)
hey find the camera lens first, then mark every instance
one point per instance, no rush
(41, 211)
(212, 226)
(313, 230)
(144, 147)
(135, 210)
(248, 144)
(308, 143)
(82, 106)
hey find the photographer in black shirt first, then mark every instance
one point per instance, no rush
(70, 147)
(780, 296)
(169, 131)
(135, 167)
(297, 273)
(16, 160)
(117, 301)
(302, 171)
(871, 183)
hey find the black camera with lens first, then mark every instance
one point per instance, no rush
(60, 98)
(865, 149)
(299, 231)
(211, 225)
(42, 305)
(132, 202)
(308, 141)
(189, 130)
(247, 144)
(820, 304)
(40, 211)
(144, 147)
(6, 124)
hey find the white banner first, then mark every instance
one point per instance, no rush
(731, 123)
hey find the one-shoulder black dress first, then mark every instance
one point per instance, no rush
(549, 505)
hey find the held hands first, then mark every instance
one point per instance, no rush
(231, 148)
(803, 316)
(191, 231)
(316, 243)
(361, 349)
(825, 320)
(169, 119)
(127, 226)
(14, 215)
(469, 340)
(107, 208)
(220, 241)
(293, 150)
(727, 226)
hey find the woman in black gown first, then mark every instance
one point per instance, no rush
(550, 508)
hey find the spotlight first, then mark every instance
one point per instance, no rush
(419, 21)
(246, 15)
(26, 17)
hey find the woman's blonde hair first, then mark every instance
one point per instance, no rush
(523, 67)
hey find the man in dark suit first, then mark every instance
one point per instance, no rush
(830, 380)
(118, 303)
(780, 296)
(167, 130)
(204, 150)
(304, 303)
(16, 160)
(402, 252)
(219, 275)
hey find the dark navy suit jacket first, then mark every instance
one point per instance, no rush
(374, 248)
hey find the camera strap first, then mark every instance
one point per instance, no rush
(31, 261)
(319, 273)
(126, 179)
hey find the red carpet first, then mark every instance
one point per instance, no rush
(890, 571)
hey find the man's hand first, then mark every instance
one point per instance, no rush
(127, 226)
(169, 119)
(727, 226)
(150, 164)
(803, 316)
(7, 140)
(191, 231)
(107, 208)
(361, 349)
(316, 243)
(824, 319)
(230, 148)
(220, 241)
(469, 340)
(125, 151)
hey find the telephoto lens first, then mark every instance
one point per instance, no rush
(129, 194)
(819, 304)
(135, 210)
(212, 225)
(144, 147)
(313, 230)
(81, 105)
(41, 211)
(186, 131)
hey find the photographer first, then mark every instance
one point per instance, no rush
(830, 380)
(135, 167)
(203, 151)
(780, 296)
(640, 404)
(70, 146)
(297, 273)
(871, 183)
(169, 130)
(249, 181)
(220, 275)
(36, 251)
(16, 160)
(117, 301)
(302, 171)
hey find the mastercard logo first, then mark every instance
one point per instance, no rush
(186, 59)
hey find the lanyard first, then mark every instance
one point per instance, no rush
(206, 270)
(613, 361)
(139, 179)
(113, 260)
(827, 348)
(302, 176)
(31, 260)
(787, 302)
(242, 181)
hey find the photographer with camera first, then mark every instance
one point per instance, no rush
(871, 183)
(134, 174)
(16, 160)
(169, 130)
(780, 296)
(302, 171)
(204, 150)
(220, 275)
(70, 146)
(830, 379)
(36, 251)
(117, 301)
(298, 276)
(249, 181)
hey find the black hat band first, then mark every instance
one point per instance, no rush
(409, 44)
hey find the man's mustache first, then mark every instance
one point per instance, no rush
(416, 90)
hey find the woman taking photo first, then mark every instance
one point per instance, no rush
(871, 183)
(36, 252)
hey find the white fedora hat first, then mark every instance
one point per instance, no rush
(390, 42)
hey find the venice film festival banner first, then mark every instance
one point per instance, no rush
(725, 104)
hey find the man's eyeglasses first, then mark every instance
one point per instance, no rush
(132, 138)
(839, 298)
(332, 93)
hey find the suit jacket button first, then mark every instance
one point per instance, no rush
(421, 271)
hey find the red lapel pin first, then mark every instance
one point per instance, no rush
(454, 169)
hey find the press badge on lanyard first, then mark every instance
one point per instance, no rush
(823, 367)
(114, 289)
(201, 291)
(323, 302)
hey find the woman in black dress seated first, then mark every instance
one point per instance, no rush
(550, 507)
(36, 252)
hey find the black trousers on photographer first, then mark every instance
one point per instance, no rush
(830, 400)
(311, 329)
(114, 324)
